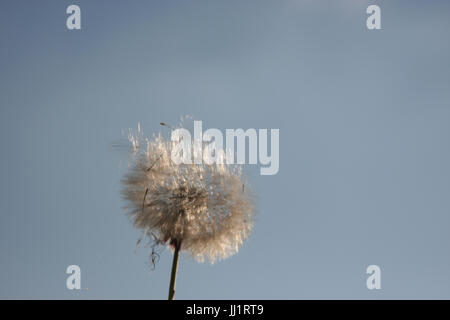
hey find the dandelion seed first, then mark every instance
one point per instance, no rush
(198, 209)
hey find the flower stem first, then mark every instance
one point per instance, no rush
(173, 275)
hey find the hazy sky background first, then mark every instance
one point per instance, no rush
(364, 143)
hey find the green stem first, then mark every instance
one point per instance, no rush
(173, 275)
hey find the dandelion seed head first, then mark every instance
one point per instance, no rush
(203, 206)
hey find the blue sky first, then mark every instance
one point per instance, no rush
(364, 151)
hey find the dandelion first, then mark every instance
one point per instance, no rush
(201, 209)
